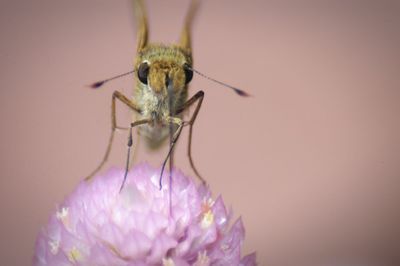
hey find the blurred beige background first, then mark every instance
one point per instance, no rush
(311, 161)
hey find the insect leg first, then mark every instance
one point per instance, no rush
(116, 95)
(199, 96)
(174, 139)
(134, 156)
(130, 142)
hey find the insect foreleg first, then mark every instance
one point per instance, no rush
(130, 142)
(174, 139)
(198, 97)
(116, 95)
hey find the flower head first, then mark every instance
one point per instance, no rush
(141, 225)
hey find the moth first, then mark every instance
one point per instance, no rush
(160, 98)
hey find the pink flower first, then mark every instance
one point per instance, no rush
(96, 225)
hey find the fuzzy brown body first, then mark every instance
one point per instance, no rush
(165, 92)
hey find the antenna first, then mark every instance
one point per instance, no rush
(101, 82)
(238, 91)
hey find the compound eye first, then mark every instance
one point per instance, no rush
(188, 73)
(143, 72)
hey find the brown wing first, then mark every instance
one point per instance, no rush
(142, 31)
(185, 40)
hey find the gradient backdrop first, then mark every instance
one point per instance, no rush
(311, 161)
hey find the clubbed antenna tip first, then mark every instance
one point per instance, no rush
(97, 84)
(242, 93)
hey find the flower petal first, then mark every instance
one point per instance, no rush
(98, 225)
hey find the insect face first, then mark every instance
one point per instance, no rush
(162, 78)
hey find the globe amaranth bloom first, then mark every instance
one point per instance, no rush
(141, 225)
